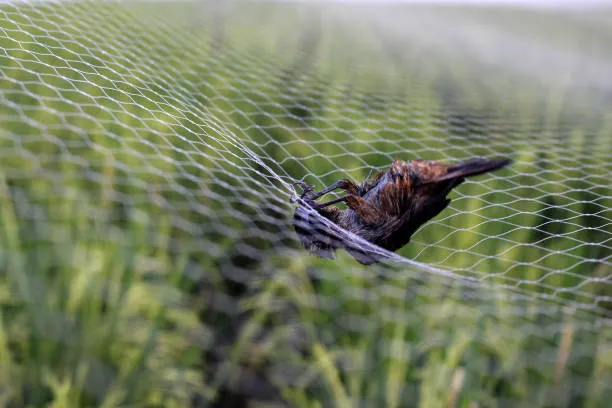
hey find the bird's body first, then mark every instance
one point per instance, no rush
(388, 209)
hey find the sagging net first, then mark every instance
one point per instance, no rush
(147, 161)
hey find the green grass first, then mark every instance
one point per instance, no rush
(145, 206)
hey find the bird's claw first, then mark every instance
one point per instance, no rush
(306, 188)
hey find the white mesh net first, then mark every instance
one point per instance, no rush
(148, 152)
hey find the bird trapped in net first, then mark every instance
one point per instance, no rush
(385, 211)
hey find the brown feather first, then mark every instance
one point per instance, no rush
(369, 214)
(391, 207)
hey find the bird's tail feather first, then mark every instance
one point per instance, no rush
(474, 167)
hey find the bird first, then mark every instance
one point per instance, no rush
(385, 210)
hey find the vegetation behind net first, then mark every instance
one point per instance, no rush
(147, 158)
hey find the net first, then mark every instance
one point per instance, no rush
(148, 155)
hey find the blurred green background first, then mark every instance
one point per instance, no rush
(147, 256)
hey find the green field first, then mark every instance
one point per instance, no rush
(147, 157)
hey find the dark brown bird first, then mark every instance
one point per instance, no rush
(386, 210)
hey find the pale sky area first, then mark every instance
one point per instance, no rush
(535, 3)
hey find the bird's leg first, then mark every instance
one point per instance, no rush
(343, 184)
(331, 202)
(367, 212)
